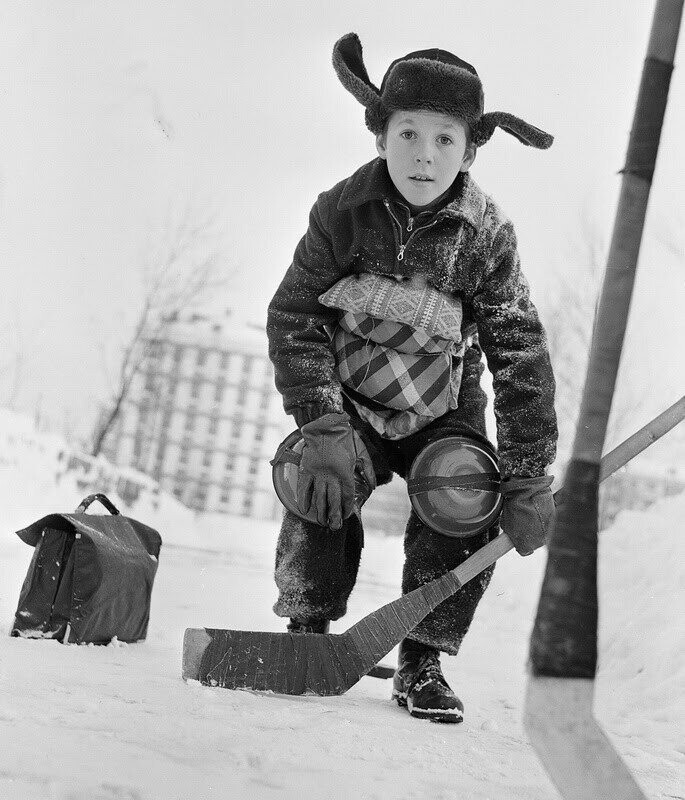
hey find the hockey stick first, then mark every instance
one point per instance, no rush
(329, 664)
(572, 747)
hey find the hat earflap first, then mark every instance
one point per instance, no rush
(349, 66)
(525, 132)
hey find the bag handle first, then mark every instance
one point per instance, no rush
(106, 502)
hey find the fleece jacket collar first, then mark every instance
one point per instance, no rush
(372, 182)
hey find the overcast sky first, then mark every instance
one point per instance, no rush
(115, 115)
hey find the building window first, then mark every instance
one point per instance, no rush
(137, 447)
(142, 426)
(201, 357)
(155, 350)
(200, 499)
(223, 363)
(190, 421)
(213, 426)
(184, 452)
(195, 387)
(201, 494)
(247, 365)
(254, 467)
(178, 355)
(219, 392)
(259, 434)
(207, 458)
(225, 497)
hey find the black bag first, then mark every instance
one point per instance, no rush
(90, 578)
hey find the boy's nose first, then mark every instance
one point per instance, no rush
(423, 156)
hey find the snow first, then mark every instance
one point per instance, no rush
(98, 723)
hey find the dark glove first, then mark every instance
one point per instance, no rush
(325, 482)
(527, 512)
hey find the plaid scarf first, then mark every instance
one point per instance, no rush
(410, 373)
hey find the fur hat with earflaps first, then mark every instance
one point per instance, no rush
(428, 80)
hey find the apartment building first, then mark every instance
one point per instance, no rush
(203, 418)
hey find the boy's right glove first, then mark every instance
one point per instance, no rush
(325, 482)
(528, 512)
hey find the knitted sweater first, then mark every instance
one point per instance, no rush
(468, 249)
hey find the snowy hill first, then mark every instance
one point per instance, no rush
(98, 723)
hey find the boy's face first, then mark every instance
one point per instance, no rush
(425, 152)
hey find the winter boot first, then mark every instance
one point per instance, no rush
(420, 687)
(308, 625)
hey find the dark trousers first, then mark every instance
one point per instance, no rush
(316, 568)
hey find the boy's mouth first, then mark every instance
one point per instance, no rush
(422, 178)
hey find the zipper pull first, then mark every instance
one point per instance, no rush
(410, 225)
(400, 255)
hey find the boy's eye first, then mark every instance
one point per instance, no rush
(407, 134)
(444, 140)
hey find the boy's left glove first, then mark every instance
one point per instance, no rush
(527, 512)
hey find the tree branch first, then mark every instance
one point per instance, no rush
(181, 273)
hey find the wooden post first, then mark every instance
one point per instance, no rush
(563, 654)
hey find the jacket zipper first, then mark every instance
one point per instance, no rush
(398, 241)
(410, 230)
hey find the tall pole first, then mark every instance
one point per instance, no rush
(563, 651)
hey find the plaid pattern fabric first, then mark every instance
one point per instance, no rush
(397, 366)
(399, 344)
(398, 336)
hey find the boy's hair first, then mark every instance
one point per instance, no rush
(429, 80)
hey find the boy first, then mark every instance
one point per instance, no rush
(411, 218)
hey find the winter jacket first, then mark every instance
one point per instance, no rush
(467, 248)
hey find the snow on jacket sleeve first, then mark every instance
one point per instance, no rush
(298, 344)
(515, 347)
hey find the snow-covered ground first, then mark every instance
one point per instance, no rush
(98, 723)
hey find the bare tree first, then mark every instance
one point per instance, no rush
(10, 373)
(12, 362)
(669, 233)
(179, 273)
(569, 312)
